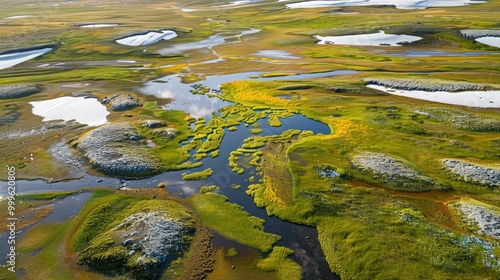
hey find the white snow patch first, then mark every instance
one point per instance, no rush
(148, 38)
(11, 59)
(374, 39)
(479, 99)
(490, 41)
(400, 4)
(83, 110)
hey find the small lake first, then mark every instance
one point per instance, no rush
(373, 39)
(400, 4)
(71, 108)
(147, 38)
(10, 59)
(478, 99)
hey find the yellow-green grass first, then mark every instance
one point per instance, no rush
(232, 221)
(200, 175)
(279, 261)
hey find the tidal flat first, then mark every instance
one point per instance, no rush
(242, 140)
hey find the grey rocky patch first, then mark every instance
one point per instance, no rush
(425, 85)
(10, 117)
(461, 119)
(392, 171)
(473, 173)
(477, 33)
(22, 90)
(169, 133)
(153, 124)
(485, 219)
(85, 93)
(117, 149)
(157, 236)
(120, 102)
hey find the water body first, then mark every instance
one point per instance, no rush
(10, 59)
(400, 4)
(62, 210)
(374, 39)
(72, 108)
(171, 87)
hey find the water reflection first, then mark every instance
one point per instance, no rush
(171, 87)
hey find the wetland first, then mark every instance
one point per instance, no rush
(221, 140)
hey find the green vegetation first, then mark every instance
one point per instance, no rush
(201, 175)
(278, 261)
(231, 221)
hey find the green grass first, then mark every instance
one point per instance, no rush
(231, 221)
(278, 261)
(197, 176)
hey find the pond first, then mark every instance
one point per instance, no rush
(373, 39)
(10, 59)
(71, 108)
